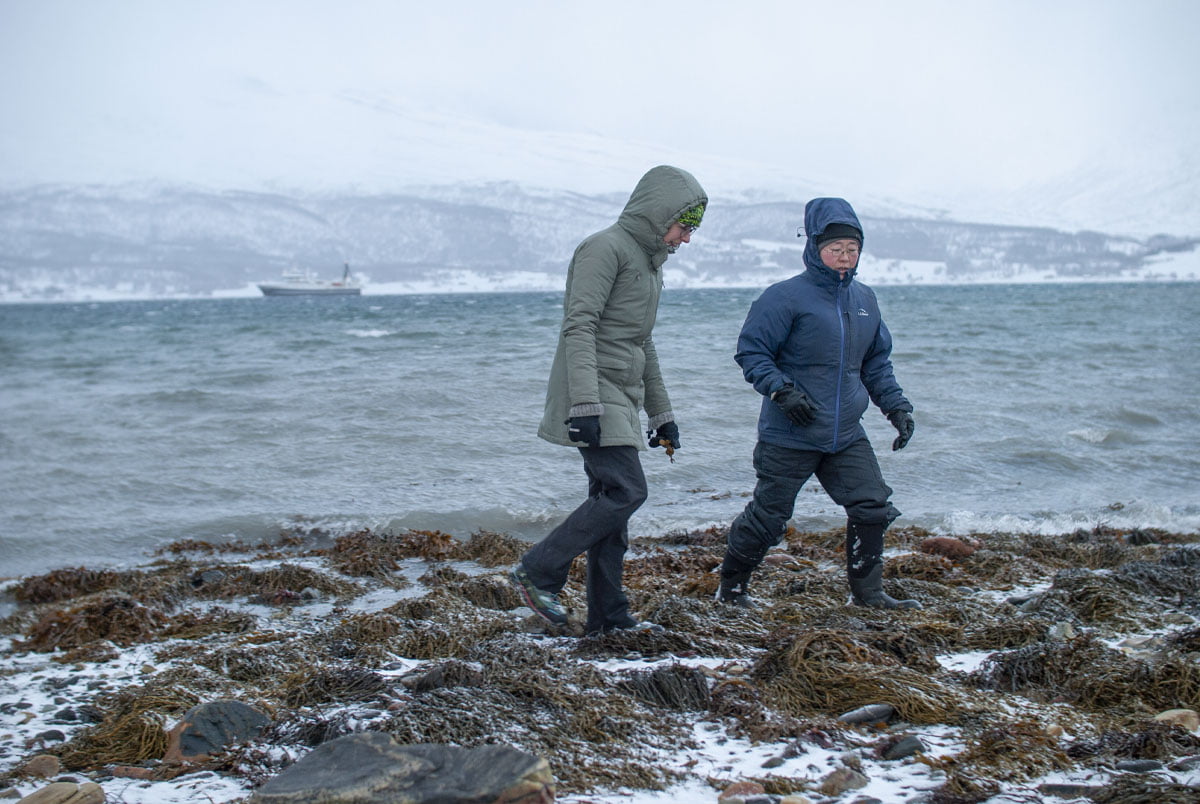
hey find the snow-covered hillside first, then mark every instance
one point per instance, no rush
(145, 241)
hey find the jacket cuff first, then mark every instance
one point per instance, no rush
(659, 420)
(586, 409)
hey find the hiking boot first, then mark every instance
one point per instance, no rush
(544, 604)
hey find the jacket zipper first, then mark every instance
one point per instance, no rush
(837, 398)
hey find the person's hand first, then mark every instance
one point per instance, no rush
(585, 429)
(902, 420)
(668, 432)
(798, 407)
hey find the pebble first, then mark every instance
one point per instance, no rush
(905, 747)
(773, 762)
(1139, 765)
(841, 780)
(1187, 718)
(740, 790)
(871, 713)
(43, 765)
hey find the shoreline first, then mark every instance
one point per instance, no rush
(1037, 660)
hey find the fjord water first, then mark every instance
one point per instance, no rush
(127, 425)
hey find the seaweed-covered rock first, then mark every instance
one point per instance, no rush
(372, 767)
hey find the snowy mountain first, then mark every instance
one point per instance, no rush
(145, 241)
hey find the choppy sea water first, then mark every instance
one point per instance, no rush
(128, 425)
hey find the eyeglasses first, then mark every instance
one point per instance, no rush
(841, 251)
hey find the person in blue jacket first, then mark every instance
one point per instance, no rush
(816, 348)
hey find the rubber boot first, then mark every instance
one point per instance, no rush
(864, 568)
(735, 581)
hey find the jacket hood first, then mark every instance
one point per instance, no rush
(659, 198)
(819, 213)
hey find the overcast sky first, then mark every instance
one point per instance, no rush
(952, 97)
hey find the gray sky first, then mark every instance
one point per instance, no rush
(928, 100)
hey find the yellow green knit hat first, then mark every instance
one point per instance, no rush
(691, 217)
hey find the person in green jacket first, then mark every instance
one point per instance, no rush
(605, 372)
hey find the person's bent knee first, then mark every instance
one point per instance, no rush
(873, 513)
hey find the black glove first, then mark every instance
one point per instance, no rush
(798, 407)
(667, 432)
(585, 429)
(902, 420)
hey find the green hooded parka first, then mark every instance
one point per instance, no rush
(605, 363)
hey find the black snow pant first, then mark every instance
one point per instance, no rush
(850, 477)
(598, 527)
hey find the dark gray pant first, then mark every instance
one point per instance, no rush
(598, 527)
(851, 477)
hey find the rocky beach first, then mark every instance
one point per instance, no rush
(1041, 668)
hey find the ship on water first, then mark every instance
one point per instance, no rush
(296, 282)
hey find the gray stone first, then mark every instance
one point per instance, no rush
(66, 793)
(904, 747)
(372, 768)
(841, 780)
(1186, 763)
(1066, 790)
(1139, 765)
(210, 728)
(871, 713)
(773, 762)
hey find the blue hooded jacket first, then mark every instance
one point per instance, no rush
(825, 336)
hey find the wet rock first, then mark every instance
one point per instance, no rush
(871, 713)
(451, 673)
(1139, 765)
(67, 715)
(773, 762)
(946, 546)
(372, 766)
(1067, 790)
(1187, 718)
(841, 780)
(906, 746)
(43, 766)
(1185, 763)
(210, 728)
(67, 793)
(740, 791)
(51, 736)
